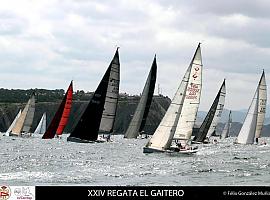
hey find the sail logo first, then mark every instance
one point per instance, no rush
(4, 192)
(192, 90)
(195, 75)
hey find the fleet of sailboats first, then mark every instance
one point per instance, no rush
(178, 122)
(137, 123)
(101, 108)
(174, 132)
(252, 126)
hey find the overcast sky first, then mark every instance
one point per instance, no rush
(45, 44)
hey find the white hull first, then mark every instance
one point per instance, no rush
(184, 151)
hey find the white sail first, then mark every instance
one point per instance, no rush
(13, 123)
(25, 120)
(253, 123)
(191, 101)
(108, 115)
(162, 138)
(226, 131)
(218, 112)
(261, 105)
(247, 132)
(41, 128)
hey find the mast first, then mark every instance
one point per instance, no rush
(139, 118)
(163, 135)
(219, 101)
(87, 127)
(112, 95)
(61, 116)
(25, 120)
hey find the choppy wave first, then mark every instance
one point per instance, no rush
(33, 161)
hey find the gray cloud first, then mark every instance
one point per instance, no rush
(56, 41)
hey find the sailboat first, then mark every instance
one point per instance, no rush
(101, 108)
(13, 123)
(41, 127)
(253, 122)
(137, 123)
(212, 116)
(179, 119)
(227, 128)
(61, 116)
(24, 122)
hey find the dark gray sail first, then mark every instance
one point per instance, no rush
(227, 128)
(87, 127)
(139, 118)
(203, 130)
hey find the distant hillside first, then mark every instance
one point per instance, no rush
(42, 95)
(48, 101)
(237, 115)
(126, 107)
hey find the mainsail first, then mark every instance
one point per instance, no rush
(13, 123)
(25, 120)
(41, 127)
(247, 132)
(261, 105)
(139, 118)
(191, 100)
(187, 90)
(112, 95)
(88, 126)
(214, 113)
(254, 119)
(218, 112)
(226, 131)
(61, 116)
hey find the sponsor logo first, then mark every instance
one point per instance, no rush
(4, 192)
(23, 192)
(195, 75)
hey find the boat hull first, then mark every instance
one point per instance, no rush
(204, 142)
(78, 140)
(151, 150)
(184, 151)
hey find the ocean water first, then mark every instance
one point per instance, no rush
(33, 161)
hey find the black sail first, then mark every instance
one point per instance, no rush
(87, 127)
(203, 130)
(150, 94)
(137, 123)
